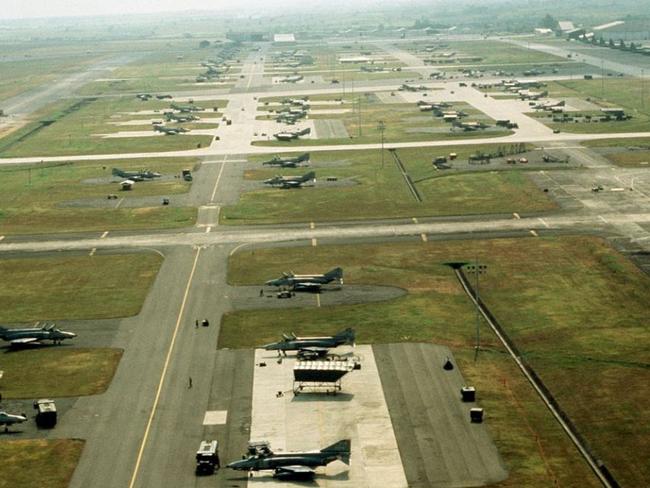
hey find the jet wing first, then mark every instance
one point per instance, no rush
(24, 340)
(307, 286)
(296, 471)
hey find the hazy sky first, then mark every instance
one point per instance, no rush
(11, 9)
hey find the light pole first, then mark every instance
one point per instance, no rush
(359, 113)
(477, 269)
(381, 127)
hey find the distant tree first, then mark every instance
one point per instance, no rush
(549, 22)
(611, 43)
(204, 44)
(633, 47)
(601, 41)
(621, 44)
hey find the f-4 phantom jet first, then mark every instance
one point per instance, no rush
(291, 342)
(8, 419)
(35, 335)
(316, 280)
(287, 465)
(288, 162)
(290, 136)
(145, 174)
(291, 181)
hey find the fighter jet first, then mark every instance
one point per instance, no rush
(143, 96)
(412, 88)
(180, 118)
(187, 108)
(142, 175)
(34, 335)
(287, 162)
(288, 465)
(303, 282)
(290, 342)
(291, 79)
(290, 181)
(8, 419)
(290, 136)
(169, 131)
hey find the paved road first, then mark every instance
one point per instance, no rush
(579, 55)
(21, 106)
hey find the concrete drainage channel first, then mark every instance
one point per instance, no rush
(597, 466)
(407, 178)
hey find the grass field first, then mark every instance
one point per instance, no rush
(633, 153)
(75, 287)
(78, 371)
(29, 463)
(76, 127)
(31, 197)
(560, 299)
(630, 94)
(403, 123)
(495, 52)
(371, 191)
(22, 75)
(156, 72)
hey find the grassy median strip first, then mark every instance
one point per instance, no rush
(78, 371)
(75, 287)
(56, 197)
(575, 307)
(366, 190)
(29, 463)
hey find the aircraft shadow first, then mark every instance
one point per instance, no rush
(309, 396)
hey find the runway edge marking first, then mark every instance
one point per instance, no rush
(164, 372)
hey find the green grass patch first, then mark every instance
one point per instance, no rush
(35, 198)
(626, 93)
(39, 462)
(75, 287)
(403, 123)
(78, 371)
(77, 127)
(575, 307)
(370, 191)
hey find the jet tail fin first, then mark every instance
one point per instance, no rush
(335, 274)
(348, 335)
(117, 172)
(341, 448)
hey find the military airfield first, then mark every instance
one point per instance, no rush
(431, 154)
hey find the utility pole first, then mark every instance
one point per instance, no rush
(602, 78)
(359, 113)
(642, 88)
(477, 269)
(381, 127)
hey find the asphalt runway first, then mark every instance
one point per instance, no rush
(439, 446)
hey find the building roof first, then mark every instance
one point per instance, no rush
(566, 25)
(284, 38)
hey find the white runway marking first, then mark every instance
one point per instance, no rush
(424, 237)
(92, 251)
(215, 417)
(216, 183)
(543, 222)
(104, 235)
